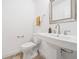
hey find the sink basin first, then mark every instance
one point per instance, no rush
(63, 41)
(69, 38)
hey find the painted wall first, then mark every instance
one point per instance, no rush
(72, 27)
(18, 17)
(42, 10)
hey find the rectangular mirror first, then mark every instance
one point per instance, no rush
(62, 11)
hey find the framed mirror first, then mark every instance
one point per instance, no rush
(62, 11)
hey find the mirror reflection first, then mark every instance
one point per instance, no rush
(62, 11)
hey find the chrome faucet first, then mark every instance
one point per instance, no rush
(66, 32)
(58, 29)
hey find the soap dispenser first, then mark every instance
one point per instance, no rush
(49, 30)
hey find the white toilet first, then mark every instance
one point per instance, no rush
(29, 49)
(27, 46)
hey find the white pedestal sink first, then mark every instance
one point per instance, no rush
(63, 41)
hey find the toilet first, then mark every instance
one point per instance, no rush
(27, 46)
(30, 48)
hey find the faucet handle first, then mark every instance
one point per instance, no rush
(66, 32)
(54, 31)
(57, 27)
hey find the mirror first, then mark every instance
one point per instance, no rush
(62, 11)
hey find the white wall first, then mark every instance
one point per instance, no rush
(42, 9)
(71, 26)
(18, 17)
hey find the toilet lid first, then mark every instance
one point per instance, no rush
(28, 44)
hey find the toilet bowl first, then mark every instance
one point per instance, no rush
(27, 46)
(27, 50)
(30, 48)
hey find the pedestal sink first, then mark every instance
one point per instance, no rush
(63, 41)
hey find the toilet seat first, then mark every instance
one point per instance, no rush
(27, 46)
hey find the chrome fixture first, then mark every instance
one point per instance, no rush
(20, 36)
(58, 29)
(65, 51)
(66, 32)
